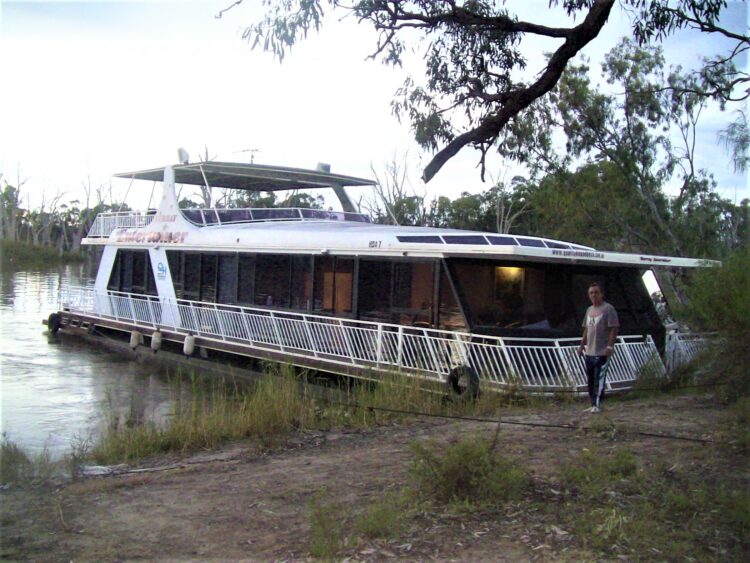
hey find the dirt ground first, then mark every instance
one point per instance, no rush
(240, 504)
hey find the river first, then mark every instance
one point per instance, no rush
(54, 390)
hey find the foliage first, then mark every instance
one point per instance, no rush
(719, 300)
(471, 93)
(468, 473)
(629, 158)
(15, 253)
(326, 529)
(383, 518)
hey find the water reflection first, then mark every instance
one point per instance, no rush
(54, 389)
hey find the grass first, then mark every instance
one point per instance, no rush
(22, 253)
(278, 405)
(326, 529)
(468, 473)
(384, 518)
(22, 468)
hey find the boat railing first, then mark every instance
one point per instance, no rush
(106, 223)
(227, 216)
(534, 363)
(683, 347)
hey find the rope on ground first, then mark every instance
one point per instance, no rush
(515, 422)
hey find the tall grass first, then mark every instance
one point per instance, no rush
(19, 467)
(279, 404)
(468, 473)
(21, 253)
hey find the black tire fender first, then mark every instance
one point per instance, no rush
(463, 381)
(54, 322)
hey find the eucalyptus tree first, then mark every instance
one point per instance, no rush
(471, 93)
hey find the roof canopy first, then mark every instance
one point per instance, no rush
(251, 177)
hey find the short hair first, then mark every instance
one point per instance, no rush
(596, 284)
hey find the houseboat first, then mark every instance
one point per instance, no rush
(332, 291)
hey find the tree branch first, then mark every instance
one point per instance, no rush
(520, 99)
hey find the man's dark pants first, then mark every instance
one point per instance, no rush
(596, 374)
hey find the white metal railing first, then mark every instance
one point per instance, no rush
(228, 216)
(682, 347)
(534, 363)
(105, 223)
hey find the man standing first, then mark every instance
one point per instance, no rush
(600, 327)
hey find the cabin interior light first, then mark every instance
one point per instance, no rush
(509, 273)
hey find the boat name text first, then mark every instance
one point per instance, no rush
(654, 259)
(133, 235)
(165, 218)
(577, 253)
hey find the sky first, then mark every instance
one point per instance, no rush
(94, 88)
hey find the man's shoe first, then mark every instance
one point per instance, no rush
(594, 410)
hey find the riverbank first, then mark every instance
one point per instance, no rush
(593, 490)
(17, 254)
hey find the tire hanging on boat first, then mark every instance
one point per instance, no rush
(54, 322)
(463, 382)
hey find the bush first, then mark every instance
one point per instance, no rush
(467, 472)
(719, 301)
(326, 529)
(381, 519)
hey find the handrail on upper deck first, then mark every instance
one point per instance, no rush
(106, 223)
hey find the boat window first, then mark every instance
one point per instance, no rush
(246, 279)
(503, 296)
(191, 283)
(114, 277)
(450, 316)
(272, 280)
(139, 271)
(227, 286)
(421, 239)
(374, 290)
(126, 271)
(209, 269)
(463, 239)
(531, 242)
(333, 284)
(175, 262)
(131, 273)
(301, 291)
(553, 244)
(502, 241)
(413, 293)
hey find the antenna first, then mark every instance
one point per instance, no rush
(252, 154)
(183, 156)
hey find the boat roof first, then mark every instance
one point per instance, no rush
(249, 177)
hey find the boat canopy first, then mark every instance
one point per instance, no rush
(249, 177)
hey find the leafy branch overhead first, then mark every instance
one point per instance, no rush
(471, 91)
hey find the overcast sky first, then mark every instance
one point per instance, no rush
(95, 88)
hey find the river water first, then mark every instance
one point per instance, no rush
(54, 390)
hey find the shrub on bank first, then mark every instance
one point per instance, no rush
(468, 473)
(22, 253)
(719, 301)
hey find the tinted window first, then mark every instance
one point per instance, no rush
(246, 279)
(209, 269)
(413, 293)
(272, 273)
(227, 292)
(175, 262)
(374, 295)
(191, 283)
(422, 239)
(502, 241)
(474, 239)
(531, 242)
(301, 291)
